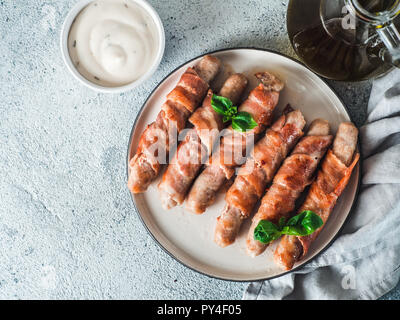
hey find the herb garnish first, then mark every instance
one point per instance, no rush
(303, 224)
(241, 121)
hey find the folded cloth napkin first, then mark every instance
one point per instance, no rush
(364, 261)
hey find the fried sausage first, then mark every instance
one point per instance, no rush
(198, 143)
(332, 178)
(293, 177)
(254, 176)
(260, 104)
(161, 135)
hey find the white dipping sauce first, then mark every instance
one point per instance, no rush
(113, 42)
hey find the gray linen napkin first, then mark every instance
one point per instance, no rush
(364, 261)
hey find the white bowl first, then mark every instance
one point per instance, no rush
(71, 67)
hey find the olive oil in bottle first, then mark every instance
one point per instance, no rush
(329, 49)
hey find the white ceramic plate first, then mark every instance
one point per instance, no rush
(188, 237)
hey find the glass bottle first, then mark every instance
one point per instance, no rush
(348, 40)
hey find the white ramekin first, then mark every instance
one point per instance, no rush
(71, 67)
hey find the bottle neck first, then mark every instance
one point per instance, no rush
(377, 18)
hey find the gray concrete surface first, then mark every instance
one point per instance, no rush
(68, 229)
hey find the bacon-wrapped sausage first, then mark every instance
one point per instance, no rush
(260, 104)
(157, 139)
(332, 178)
(290, 181)
(198, 143)
(254, 176)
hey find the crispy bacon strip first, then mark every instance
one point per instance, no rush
(161, 135)
(324, 192)
(290, 181)
(254, 176)
(198, 143)
(260, 104)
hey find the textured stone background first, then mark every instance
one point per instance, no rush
(67, 225)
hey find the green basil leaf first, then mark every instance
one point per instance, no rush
(311, 222)
(232, 112)
(226, 118)
(243, 121)
(281, 223)
(239, 125)
(303, 224)
(221, 105)
(296, 220)
(247, 117)
(294, 231)
(266, 231)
